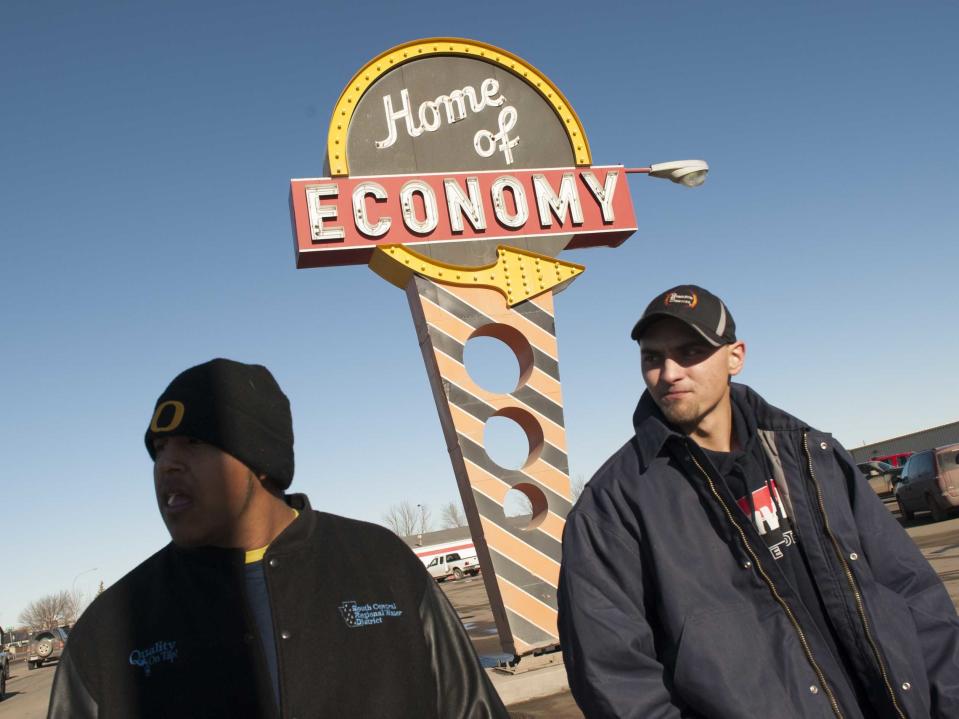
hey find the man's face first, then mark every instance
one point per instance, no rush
(687, 377)
(201, 490)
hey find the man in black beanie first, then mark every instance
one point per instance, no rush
(260, 606)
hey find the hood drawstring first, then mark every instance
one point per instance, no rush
(752, 502)
(748, 456)
(772, 488)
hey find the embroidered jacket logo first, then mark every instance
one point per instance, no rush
(147, 658)
(366, 615)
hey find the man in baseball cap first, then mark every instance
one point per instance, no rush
(731, 561)
(261, 606)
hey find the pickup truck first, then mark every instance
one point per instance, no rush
(45, 646)
(452, 565)
(882, 476)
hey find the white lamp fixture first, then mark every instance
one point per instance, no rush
(691, 173)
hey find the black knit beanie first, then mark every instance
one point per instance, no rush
(234, 406)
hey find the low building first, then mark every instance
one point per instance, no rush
(908, 443)
(442, 536)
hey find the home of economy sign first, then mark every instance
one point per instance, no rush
(459, 172)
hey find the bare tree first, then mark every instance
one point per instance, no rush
(75, 604)
(518, 504)
(577, 486)
(452, 515)
(52, 610)
(43, 613)
(407, 520)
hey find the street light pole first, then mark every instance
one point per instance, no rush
(74, 598)
(73, 586)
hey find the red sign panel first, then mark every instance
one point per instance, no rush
(339, 221)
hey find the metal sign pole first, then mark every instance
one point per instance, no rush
(520, 563)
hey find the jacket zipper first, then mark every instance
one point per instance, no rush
(772, 588)
(852, 581)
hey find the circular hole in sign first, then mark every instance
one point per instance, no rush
(506, 442)
(498, 358)
(526, 504)
(491, 364)
(531, 428)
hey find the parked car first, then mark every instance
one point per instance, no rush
(896, 460)
(46, 645)
(882, 476)
(4, 672)
(930, 481)
(452, 565)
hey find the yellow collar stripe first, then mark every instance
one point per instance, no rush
(256, 555)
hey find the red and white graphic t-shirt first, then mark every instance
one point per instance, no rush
(768, 514)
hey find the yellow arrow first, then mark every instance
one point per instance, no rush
(516, 274)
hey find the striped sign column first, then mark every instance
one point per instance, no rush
(520, 565)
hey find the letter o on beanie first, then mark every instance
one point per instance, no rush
(234, 406)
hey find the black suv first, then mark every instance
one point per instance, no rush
(4, 672)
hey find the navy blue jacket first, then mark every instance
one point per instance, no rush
(670, 604)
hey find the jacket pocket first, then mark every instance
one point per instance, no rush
(898, 633)
(730, 665)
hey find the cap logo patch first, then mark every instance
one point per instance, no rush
(178, 411)
(675, 298)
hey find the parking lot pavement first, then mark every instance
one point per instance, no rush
(939, 542)
(468, 597)
(28, 692)
(557, 706)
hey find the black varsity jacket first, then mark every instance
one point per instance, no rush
(361, 630)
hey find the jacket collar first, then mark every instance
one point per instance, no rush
(300, 529)
(653, 430)
(297, 533)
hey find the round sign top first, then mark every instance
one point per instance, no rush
(456, 147)
(354, 112)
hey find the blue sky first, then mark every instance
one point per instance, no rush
(145, 158)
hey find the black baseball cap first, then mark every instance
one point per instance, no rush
(698, 308)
